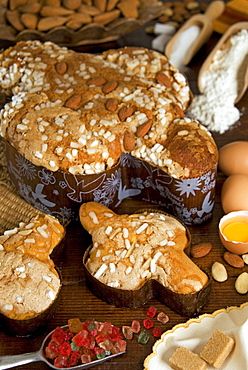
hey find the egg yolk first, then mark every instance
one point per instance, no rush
(236, 231)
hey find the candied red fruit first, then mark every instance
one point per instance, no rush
(157, 332)
(83, 343)
(148, 324)
(151, 311)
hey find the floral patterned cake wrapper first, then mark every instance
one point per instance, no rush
(60, 194)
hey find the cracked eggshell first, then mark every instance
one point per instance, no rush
(234, 193)
(231, 245)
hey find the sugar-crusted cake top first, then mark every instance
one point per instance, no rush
(78, 112)
(128, 250)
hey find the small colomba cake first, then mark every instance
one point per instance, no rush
(128, 250)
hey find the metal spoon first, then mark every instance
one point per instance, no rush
(243, 73)
(204, 22)
(7, 362)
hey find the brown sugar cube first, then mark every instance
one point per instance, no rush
(217, 349)
(184, 359)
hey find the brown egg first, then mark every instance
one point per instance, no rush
(234, 193)
(233, 158)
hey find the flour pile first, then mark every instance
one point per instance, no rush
(215, 107)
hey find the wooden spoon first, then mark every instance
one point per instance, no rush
(204, 22)
(222, 43)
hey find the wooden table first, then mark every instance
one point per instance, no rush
(78, 301)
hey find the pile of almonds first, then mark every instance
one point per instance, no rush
(218, 270)
(177, 12)
(45, 15)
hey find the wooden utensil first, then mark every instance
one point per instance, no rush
(205, 22)
(243, 72)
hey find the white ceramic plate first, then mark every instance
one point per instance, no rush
(194, 334)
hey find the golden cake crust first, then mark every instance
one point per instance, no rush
(78, 112)
(130, 249)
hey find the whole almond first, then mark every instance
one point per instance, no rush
(14, 4)
(128, 141)
(29, 20)
(107, 17)
(96, 81)
(52, 11)
(234, 260)
(125, 112)
(61, 67)
(111, 4)
(219, 272)
(48, 23)
(111, 104)
(88, 9)
(245, 258)
(179, 111)
(13, 16)
(144, 128)
(72, 4)
(241, 283)
(80, 18)
(30, 8)
(129, 9)
(73, 102)
(100, 4)
(163, 79)
(109, 87)
(201, 249)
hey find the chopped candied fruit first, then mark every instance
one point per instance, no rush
(143, 337)
(162, 317)
(135, 326)
(127, 332)
(84, 342)
(157, 332)
(151, 312)
(75, 325)
(148, 324)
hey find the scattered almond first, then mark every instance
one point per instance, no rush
(234, 260)
(128, 141)
(109, 86)
(163, 79)
(241, 283)
(245, 258)
(73, 102)
(111, 104)
(61, 67)
(125, 112)
(201, 249)
(144, 128)
(219, 272)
